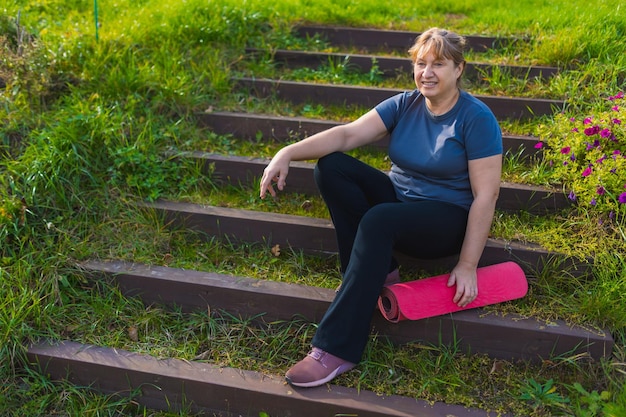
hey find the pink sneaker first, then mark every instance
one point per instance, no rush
(317, 368)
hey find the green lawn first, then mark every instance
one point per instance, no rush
(87, 121)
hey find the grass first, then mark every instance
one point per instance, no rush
(86, 129)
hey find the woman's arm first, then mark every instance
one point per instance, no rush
(367, 129)
(484, 176)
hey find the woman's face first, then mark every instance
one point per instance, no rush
(436, 77)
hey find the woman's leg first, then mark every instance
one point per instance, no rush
(350, 188)
(424, 229)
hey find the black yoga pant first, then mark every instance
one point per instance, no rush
(371, 223)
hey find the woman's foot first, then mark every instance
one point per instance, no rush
(317, 368)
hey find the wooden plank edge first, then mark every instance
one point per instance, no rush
(174, 384)
(317, 236)
(378, 39)
(509, 337)
(515, 108)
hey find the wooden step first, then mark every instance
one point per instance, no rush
(239, 170)
(390, 66)
(283, 129)
(508, 337)
(513, 108)
(317, 236)
(175, 384)
(371, 39)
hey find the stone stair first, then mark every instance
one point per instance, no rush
(176, 384)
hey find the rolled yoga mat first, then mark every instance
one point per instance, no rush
(429, 297)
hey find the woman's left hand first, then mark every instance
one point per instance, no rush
(466, 284)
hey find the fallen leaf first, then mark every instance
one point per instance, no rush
(133, 334)
(306, 205)
(497, 366)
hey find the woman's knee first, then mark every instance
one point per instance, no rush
(378, 220)
(328, 166)
(330, 161)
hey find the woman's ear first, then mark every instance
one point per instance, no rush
(459, 69)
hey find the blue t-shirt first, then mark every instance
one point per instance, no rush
(429, 153)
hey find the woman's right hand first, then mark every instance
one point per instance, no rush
(275, 172)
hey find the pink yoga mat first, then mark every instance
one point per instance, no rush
(429, 297)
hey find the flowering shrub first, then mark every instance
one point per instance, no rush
(588, 156)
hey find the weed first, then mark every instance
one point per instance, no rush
(591, 403)
(544, 396)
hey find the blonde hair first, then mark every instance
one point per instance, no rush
(443, 44)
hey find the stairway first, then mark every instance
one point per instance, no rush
(173, 383)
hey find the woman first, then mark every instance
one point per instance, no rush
(438, 199)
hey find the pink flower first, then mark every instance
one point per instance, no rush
(587, 121)
(622, 198)
(600, 190)
(605, 133)
(565, 150)
(539, 145)
(617, 121)
(587, 171)
(590, 131)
